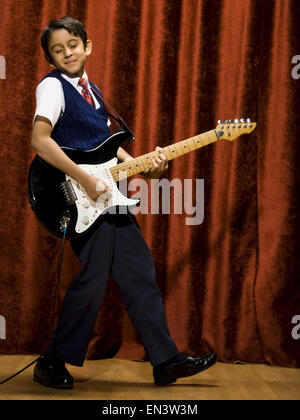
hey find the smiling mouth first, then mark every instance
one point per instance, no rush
(71, 62)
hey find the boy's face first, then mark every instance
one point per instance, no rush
(68, 53)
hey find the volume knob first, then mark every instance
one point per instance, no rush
(85, 204)
(85, 220)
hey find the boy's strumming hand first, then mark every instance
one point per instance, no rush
(95, 187)
(160, 165)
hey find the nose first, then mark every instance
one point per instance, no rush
(68, 52)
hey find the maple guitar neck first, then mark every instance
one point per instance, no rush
(144, 163)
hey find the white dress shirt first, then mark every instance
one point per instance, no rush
(50, 100)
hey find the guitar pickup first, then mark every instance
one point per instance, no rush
(68, 192)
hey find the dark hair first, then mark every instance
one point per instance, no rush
(68, 23)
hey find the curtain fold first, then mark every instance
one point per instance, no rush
(172, 69)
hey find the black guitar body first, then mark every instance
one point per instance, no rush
(47, 196)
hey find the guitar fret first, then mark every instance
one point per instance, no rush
(196, 142)
(181, 151)
(208, 138)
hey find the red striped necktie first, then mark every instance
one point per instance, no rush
(85, 91)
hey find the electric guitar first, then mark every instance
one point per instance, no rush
(56, 198)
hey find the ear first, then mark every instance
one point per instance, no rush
(88, 47)
(50, 61)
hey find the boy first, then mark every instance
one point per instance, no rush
(68, 113)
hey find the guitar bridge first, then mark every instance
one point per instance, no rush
(68, 192)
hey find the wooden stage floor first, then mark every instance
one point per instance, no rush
(119, 379)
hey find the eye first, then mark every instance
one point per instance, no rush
(58, 51)
(73, 45)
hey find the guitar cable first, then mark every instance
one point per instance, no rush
(65, 220)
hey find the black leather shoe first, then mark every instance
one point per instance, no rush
(168, 373)
(52, 374)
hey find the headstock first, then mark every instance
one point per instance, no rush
(231, 129)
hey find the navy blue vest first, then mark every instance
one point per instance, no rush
(81, 125)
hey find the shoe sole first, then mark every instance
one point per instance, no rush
(171, 379)
(48, 384)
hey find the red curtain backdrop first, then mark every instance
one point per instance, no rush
(171, 68)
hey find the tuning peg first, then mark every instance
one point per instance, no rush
(242, 120)
(226, 122)
(230, 121)
(236, 121)
(248, 120)
(220, 122)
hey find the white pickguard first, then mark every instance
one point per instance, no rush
(89, 210)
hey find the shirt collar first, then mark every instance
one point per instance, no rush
(74, 80)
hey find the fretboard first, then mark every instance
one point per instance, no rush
(144, 163)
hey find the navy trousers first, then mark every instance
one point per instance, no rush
(117, 247)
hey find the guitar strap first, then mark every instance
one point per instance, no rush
(112, 112)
